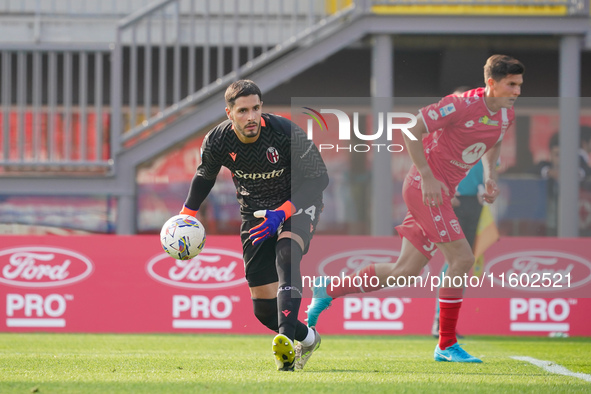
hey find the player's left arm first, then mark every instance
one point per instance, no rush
(489, 166)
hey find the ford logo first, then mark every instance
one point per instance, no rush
(558, 267)
(211, 269)
(42, 266)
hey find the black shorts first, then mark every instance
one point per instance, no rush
(259, 260)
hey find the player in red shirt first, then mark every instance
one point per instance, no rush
(460, 131)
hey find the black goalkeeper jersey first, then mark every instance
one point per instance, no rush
(282, 164)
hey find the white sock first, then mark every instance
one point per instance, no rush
(309, 340)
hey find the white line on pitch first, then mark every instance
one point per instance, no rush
(553, 367)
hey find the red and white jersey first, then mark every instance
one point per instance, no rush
(461, 129)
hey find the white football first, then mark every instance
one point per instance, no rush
(182, 237)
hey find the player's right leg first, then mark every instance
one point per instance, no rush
(435, 326)
(459, 255)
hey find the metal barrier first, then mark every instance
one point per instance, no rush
(71, 7)
(63, 105)
(217, 47)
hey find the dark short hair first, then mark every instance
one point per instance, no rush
(498, 67)
(241, 88)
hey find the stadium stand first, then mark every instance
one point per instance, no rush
(92, 90)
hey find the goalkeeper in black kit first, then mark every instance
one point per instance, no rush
(279, 177)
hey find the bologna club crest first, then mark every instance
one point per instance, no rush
(272, 155)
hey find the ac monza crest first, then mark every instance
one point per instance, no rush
(272, 155)
(455, 225)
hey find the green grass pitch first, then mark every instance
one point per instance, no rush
(113, 363)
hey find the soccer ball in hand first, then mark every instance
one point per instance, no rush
(182, 237)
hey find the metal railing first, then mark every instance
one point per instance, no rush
(52, 112)
(62, 106)
(71, 7)
(210, 43)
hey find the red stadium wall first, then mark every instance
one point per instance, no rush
(127, 284)
(37, 147)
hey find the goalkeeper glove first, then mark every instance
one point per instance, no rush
(273, 219)
(188, 211)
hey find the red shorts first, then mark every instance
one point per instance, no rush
(424, 226)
